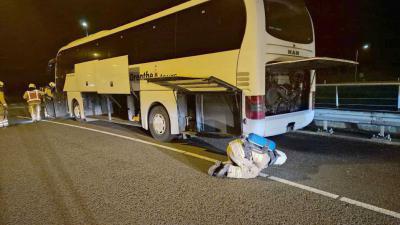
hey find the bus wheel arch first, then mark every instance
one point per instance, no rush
(76, 110)
(159, 122)
(76, 101)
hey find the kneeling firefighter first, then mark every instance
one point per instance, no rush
(3, 107)
(33, 98)
(248, 157)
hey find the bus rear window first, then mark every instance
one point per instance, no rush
(288, 20)
(287, 92)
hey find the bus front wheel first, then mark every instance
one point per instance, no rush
(76, 111)
(159, 124)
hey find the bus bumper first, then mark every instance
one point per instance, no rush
(279, 124)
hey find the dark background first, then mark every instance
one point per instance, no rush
(32, 31)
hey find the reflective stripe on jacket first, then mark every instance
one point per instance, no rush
(32, 96)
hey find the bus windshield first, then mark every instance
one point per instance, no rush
(288, 20)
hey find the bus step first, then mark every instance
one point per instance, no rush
(188, 134)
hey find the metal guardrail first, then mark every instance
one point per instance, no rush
(381, 119)
(371, 118)
(383, 96)
(375, 104)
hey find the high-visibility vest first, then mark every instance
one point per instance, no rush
(2, 99)
(33, 96)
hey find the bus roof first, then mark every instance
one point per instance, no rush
(152, 17)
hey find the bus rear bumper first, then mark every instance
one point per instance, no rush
(279, 124)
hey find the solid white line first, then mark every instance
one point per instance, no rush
(263, 175)
(304, 187)
(370, 207)
(138, 140)
(277, 179)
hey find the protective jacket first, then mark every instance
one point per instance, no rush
(33, 96)
(48, 92)
(245, 164)
(2, 98)
(248, 157)
(3, 110)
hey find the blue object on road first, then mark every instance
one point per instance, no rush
(257, 140)
(261, 141)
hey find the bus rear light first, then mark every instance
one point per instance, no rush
(255, 107)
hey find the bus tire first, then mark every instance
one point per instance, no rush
(159, 124)
(76, 110)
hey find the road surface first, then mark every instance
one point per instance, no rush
(66, 172)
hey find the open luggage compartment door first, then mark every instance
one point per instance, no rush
(194, 85)
(206, 105)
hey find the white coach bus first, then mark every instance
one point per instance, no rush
(205, 66)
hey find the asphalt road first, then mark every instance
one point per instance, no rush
(56, 174)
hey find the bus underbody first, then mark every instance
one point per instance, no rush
(198, 113)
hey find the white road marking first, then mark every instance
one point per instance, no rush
(370, 207)
(277, 179)
(304, 187)
(139, 140)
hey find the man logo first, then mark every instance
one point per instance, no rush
(293, 52)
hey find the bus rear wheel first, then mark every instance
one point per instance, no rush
(159, 124)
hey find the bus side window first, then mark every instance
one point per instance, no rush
(210, 27)
(155, 40)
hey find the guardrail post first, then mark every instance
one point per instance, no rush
(337, 97)
(398, 100)
(325, 125)
(382, 131)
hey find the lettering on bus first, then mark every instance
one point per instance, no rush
(293, 52)
(147, 75)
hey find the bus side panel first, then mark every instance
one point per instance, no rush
(86, 76)
(113, 76)
(166, 99)
(221, 65)
(253, 49)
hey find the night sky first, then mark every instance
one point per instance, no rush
(32, 31)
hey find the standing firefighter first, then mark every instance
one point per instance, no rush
(49, 90)
(48, 100)
(3, 107)
(248, 157)
(33, 97)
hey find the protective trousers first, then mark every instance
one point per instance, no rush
(46, 103)
(3, 116)
(34, 110)
(241, 166)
